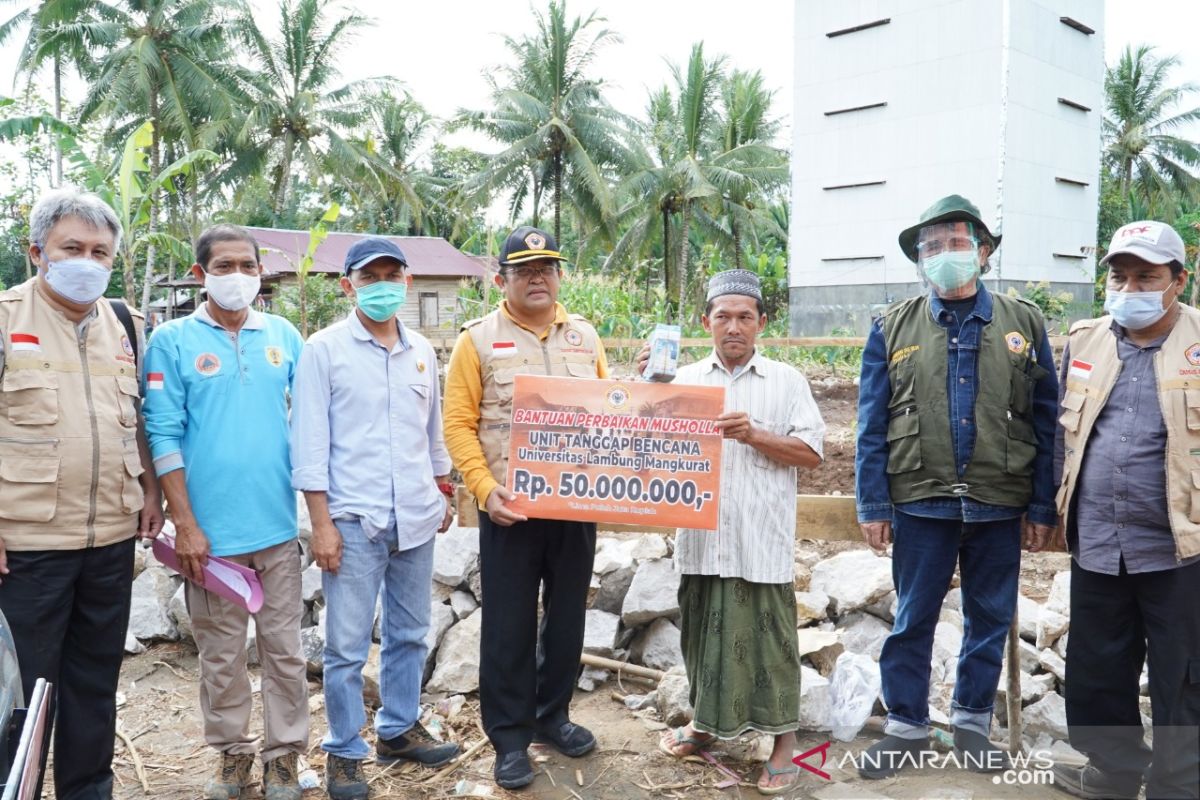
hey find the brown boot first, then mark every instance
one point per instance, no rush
(281, 778)
(231, 777)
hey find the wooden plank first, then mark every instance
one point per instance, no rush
(819, 517)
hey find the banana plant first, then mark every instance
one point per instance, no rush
(316, 234)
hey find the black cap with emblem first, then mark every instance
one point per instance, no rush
(527, 243)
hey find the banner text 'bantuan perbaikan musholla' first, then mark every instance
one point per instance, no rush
(616, 451)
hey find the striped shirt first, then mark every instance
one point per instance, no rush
(756, 532)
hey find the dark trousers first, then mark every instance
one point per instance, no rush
(68, 611)
(527, 674)
(924, 553)
(1116, 620)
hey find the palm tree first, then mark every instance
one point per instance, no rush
(745, 131)
(165, 61)
(45, 41)
(398, 127)
(560, 133)
(1142, 145)
(298, 117)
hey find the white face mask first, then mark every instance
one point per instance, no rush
(80, 280)
(233, 292)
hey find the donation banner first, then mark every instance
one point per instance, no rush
(629, 452)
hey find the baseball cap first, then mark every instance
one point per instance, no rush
(364, 251)
(528, 244)
(1152, 242)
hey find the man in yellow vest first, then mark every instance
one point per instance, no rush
(1129, 500)
(525, 686)
(76, 483)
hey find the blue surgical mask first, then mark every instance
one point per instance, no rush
(380, 301)
(80, 280)
(952, 269)
(1136, 310)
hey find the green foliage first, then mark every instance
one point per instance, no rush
(1054, 305)
(324, 302)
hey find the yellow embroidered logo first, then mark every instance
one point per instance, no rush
(274, 356)
(1016, 341)
(904, 352)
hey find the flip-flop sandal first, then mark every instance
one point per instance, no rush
(773, 773)
(677, 733)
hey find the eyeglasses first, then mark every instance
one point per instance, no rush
(526, 273)
(955, 244)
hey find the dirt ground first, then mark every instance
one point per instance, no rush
(160, 715)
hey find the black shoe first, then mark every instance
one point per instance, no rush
(569, 739)
(344, 779)
(976, 752)
(1093, 783)
(513, 770)
(417, 745)
(889, 755)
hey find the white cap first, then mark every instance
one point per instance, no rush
(1152, 242)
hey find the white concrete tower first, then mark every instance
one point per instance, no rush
(901, 102)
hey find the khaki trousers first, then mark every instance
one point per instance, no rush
(219, 627)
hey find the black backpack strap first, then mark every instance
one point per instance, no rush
(122, 311)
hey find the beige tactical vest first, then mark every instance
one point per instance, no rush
(505, 349)
(1090, 377)
(69, 461)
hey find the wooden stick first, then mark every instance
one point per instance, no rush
(620, 666)
(462, 758)
(137, 759)
(1013, 701)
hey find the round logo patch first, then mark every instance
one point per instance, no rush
(208, 364)
(617, 397)
(1015, 341)
(126, 346)
(275, 356)
(573, 337)
(1193, 354)
(535, 241)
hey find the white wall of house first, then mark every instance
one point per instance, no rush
(945, 97)
(440, 299)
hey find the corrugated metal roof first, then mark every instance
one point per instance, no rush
(428, 256)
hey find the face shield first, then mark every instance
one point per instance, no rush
(948, 255)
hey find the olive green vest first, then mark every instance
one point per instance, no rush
(920, 448)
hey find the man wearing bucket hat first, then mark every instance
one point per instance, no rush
(955, 446)
(525, 681)
(367, 452)
(1129, 441)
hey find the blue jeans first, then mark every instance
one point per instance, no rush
(350, 595)
(924, 553)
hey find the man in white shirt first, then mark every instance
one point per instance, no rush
(736, 596)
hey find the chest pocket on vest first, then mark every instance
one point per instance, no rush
(1025, 374)
(127, 395)
(28, 488)
(578, 369)
(904, 441)
(31, 396)
(1072, 404)
(1022, 447)
(1192, 397)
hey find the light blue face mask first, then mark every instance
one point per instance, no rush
(80, 280)
(1136, 310)
(380, 301)
(952, 269)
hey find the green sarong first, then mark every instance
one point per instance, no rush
(741, 653)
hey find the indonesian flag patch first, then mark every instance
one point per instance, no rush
(504, 349)
(26, 343)
(1079, 370)
(154, 380)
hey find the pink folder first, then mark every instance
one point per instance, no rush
(232, 581)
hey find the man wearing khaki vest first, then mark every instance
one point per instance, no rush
(1129, 459)
(75, 480)
(955, 457)
(525, 685)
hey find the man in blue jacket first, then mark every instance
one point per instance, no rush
(217, 387)
(957, 403)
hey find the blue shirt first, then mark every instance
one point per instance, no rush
(367, 429)
(962, 387)
(216, 406)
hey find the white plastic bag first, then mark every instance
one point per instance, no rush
(855, 684)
